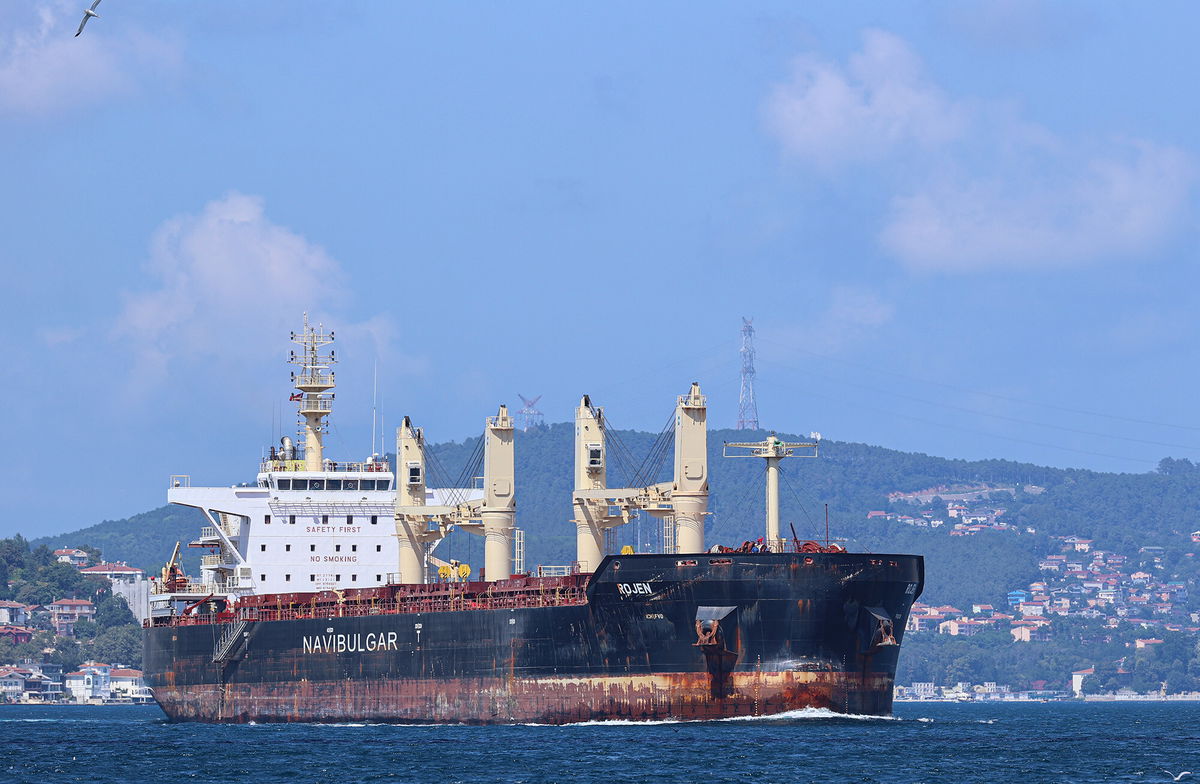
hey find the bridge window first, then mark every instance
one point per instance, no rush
(349, 519)
(333, 484)
(287, 548)
(350, 484)
(316, 484)
(287, 578)
(312, 548)
(354, 578)
(374, 519)
(283, 484)
(266, 519)
(379, 548)
(337, 548)
(299, 484)
(262, 578)
(324, 519)
(291, 519)
(312, 578)
(354, 548)
(262, 548)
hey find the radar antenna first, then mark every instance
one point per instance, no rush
(313, 382)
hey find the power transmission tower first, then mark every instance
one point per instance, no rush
(747, 406)
(529, 416)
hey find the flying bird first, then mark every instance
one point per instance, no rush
(88, 13)
(1175, 777)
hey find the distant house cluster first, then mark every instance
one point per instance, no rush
(93, 683)
(968, 510)
(975, 692)
(1079, 580)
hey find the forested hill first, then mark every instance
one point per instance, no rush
(1122, 512)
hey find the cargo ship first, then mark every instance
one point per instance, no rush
(321, 597)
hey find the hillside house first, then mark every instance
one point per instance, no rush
(76, 558)
(14, 613)
(1025, 633)
(65, 613)
(90, 683)
(117, 572)
(1077, 678)
(12, 683)
(964, 627)
(128, 684)
(17, 635)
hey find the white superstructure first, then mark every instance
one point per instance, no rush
(308, 523)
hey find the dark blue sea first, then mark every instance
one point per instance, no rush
(1026, 743)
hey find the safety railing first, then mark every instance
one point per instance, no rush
(514, 600)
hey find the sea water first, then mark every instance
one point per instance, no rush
(1027, 743)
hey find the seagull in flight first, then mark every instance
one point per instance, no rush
(1175, 777)
(88, 13)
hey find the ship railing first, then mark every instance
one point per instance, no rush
(553, 597)
(208, 532)
(285, 466)
(159, 587)
(314, 380)
(315, 404)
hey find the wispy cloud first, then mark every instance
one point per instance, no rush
(971, 184)
(230, 281)
(852, 315)
(44, 69)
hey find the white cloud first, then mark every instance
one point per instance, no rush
(1120, 203)
(230, 282)
(44, 68)
(828, 114)
(969, 184)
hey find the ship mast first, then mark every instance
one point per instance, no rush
(772, 449)
(313, 383)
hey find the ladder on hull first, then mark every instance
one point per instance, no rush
(232, 641)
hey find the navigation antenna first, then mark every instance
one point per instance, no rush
(773, 450)
(529, 416)
(747, 406)
(313, 382)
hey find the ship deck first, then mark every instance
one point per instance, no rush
(515, 593)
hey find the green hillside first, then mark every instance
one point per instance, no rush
(1120, 511)
(144, 540)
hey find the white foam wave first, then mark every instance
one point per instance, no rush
(801, 713)
(812, 713)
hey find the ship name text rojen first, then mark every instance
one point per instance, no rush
(349, 643)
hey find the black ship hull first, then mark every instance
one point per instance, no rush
(701, 636)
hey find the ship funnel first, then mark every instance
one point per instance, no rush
(287, 449)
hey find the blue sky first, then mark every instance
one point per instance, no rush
(966, 229)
